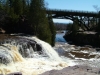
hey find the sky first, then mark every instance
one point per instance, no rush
(80, 5)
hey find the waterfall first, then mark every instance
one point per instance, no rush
(9, 55)
(47, 49)
(23, 54)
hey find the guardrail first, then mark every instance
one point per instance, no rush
(77, 11)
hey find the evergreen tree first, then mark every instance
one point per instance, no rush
(39, 21)
(18, 7)
(25, 7)
(1, 5)
(75, 26)
(52, 29)
(11, 9)
(7, 7)
(11, 4)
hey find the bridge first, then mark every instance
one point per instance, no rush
(83, 17)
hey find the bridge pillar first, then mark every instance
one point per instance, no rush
(96, 21)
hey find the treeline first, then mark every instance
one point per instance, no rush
(60, 26)
(29, 17)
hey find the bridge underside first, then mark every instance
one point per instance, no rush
(87, 21)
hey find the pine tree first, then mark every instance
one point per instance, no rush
(39, 21)
(1, 5)
(7, 7)
(25, 7)
(52, 29)
(75, 26)
(18, 7)
(11, 9)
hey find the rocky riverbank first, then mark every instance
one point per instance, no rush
(75, 70)
(78, 69)
(83, 38)
(71, 70)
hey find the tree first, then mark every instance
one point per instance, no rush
(96, 8)
(18, 7)
(25, 7)
(52, 29)
(69, 27)
(39, 21)
(75, 26)
(1, 6)
(7, 8)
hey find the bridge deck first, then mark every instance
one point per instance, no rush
(72, 12)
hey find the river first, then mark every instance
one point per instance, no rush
(78, 55)
(32, 56)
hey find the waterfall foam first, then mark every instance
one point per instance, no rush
(47, 49)
(28, 55)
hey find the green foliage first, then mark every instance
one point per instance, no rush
(52, 29)
(1, 7)
(69, 26)
(75, 26)
(39, 21)
(29, 13)
(6, 6)
(25, 7)
(18, 7)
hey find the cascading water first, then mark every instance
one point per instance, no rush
(47, 49)
(28, 55)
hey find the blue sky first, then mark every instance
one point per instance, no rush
(84, 5)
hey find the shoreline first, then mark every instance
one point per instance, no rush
(75, 70)
(70, 70)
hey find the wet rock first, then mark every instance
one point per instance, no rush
(82, 39)
(84, 48)
(81, 55)
(5, 57)
(17, 73)
(2, 31)
(98, 49)
(75, 70)
(38, 47)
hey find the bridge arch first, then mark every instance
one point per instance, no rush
(83, 17)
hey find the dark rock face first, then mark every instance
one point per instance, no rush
(83, 39)
(2, 31)
(38, 47)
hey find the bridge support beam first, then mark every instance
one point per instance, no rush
(86, 23)
(86, 20)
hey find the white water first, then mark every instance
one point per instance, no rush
(34, 63)
(65, 51)
(23, 58)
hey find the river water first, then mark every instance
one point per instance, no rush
(78, 55)
(32, 56)
(28, 55)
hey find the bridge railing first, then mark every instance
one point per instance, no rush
(89, 12)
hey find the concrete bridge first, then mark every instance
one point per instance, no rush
(83, 17)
